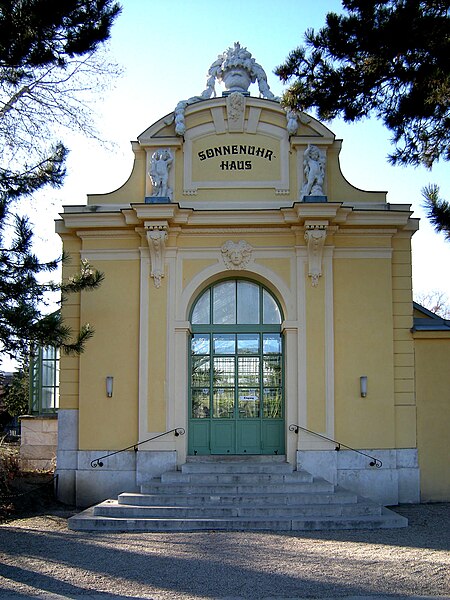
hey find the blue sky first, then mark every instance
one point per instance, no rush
(165, 48)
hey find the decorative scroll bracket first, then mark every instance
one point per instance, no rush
(315, 235)
(156, 238)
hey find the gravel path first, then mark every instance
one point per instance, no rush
(41, 558)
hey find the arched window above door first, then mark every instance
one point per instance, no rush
(236, 302)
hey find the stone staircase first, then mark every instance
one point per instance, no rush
(236, 493)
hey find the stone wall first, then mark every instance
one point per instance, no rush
(39, 436)
(396, 482)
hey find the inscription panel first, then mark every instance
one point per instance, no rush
(236, 158)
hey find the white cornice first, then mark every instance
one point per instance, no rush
(378, 221)
(98, 220)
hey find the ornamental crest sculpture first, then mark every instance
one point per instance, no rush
(236, 255)
(236, 69)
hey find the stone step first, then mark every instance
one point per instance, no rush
(248, 459)
(89, 522)
(269, 499)
(236, 467)
(158, 487)
(236, 494)
(236, 478)
(111, 508)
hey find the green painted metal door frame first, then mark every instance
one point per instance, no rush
(247, 415)
(236, 371)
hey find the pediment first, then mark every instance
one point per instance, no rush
(238, 152)
(228, 119)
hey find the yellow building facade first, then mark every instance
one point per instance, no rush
(249, 289)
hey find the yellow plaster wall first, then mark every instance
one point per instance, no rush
(277, 118)
(194, 266)
(280, 266)
(112, 241)
(113, 311)
(362, 240)
(133, 190)
(433, 416)
(256, 239)
(364, 346)
(339, 189)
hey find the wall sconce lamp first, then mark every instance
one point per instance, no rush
(109, 386)
(363, 385)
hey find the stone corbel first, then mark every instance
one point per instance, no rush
(315, 235)
(156, 238)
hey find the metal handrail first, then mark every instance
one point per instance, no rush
(97, 462)
(374, 462)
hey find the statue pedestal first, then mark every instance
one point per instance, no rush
(315, 199)
(157, 200)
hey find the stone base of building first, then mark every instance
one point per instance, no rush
(38, 441)
(82, 484)
(396, 482)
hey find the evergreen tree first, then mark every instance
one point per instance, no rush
(438, 210)
(16, 393)
(389, 58)
(48, 59)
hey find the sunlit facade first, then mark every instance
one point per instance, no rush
(240, 299)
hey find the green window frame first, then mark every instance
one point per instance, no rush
(236, 349)
(44, 381)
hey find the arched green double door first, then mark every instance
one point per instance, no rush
(236, 399)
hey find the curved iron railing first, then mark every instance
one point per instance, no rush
(97, 462)
(374, 462)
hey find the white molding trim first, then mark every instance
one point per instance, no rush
(302, 353)
(329, 341)
(170, 341)
(144, 344)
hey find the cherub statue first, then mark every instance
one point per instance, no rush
(160, 164)
(313, 172)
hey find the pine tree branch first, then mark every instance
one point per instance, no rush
(438, 210)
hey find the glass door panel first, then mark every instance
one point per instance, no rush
(223, 403)
(236, 372)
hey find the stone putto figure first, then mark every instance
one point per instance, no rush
(160, 164)
(313, 172)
